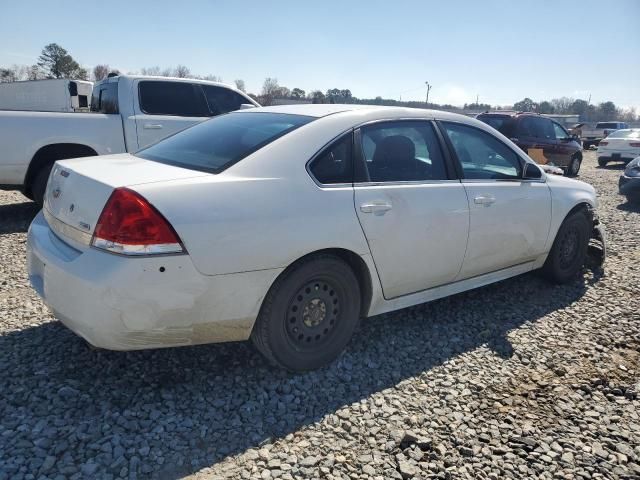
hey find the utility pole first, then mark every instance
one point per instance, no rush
(428, 90)
(477, 99)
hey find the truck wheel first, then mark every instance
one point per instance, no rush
(574, 167)
(586, 145)
(39, 184)
(602, 162)
(309, 314)
(569, 250)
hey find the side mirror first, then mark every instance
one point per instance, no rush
(575, 137)
(531, 172)
(245, 106)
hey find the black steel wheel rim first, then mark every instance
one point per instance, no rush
(313, 314)
(569, 247)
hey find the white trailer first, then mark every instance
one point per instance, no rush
(54, 95)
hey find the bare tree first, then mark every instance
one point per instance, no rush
(211, 78)
(181, 71)
(100, 72)
(240, 85)
(150, 71)
(270, 89)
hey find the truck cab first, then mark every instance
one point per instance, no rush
(153, 108)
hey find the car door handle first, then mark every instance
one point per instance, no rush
(375, 207)
(485, 200)
(152, 126)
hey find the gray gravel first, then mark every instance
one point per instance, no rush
(516, 380)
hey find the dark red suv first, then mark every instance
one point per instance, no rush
(533, 131)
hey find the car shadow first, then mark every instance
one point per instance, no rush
(628, 206)
(195, 406)
(615, 166)
(16, 217)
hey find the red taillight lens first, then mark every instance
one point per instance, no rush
(130, 225)
(603, 143)
(635, 144)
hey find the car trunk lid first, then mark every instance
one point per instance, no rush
(78, 189)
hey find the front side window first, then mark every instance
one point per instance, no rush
(559, 132)
(223, 100)
(334, 165)
(481, 155)
(172, 98)
(216, 144)
(401, 152)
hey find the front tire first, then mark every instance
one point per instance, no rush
(574, 166)
(309, 314)
(569, 251)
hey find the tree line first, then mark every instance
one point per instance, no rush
(56, 62)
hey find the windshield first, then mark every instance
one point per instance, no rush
(625, 134)
(216, 144)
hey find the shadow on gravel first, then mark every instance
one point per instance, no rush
(630, 206)
(16, 217)
(169, 413)
(614, 166)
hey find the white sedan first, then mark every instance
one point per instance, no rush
(619, 146)
(288, 224)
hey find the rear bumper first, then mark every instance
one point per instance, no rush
(629, 185)
(122, 303)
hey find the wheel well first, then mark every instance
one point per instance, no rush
(358, 266)
(588, 210)
(51, 153)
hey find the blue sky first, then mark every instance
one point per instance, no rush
(500, 50)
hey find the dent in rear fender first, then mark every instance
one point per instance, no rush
(182, 307)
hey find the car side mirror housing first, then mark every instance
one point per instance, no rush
(531, 172)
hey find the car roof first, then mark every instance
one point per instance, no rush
(370, 112)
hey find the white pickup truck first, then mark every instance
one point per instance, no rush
(592, 136)
(127, 113)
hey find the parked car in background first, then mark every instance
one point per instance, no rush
(545, 140)
(53, 95)
(287, 224)
(593, 136)
(619, 146)
(629, 184)
(127, 113)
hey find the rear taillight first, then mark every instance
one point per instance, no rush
(130, 225)
(635, 144)
(603, 143)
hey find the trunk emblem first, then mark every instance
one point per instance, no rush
(64, 173)
(56, 193)
(72, 207)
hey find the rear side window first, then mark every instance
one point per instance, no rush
(403, 151)
(216, 144)
(223, 100)
(105, 98)
(334, 164)
(172, 98)
(536, 127)
(615, 125)
(494, 121)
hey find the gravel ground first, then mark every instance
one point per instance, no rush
(520, 379)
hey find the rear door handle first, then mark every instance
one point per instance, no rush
(152, 126)
(486, 200)
(375, 207)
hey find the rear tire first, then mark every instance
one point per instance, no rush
(602, 163)
(309, 314)
(39, 185)
(569, 251)
(586, 145)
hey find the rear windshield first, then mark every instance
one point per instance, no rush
(216, 144)
(625, 134)
(608, 125)
(494, 121)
